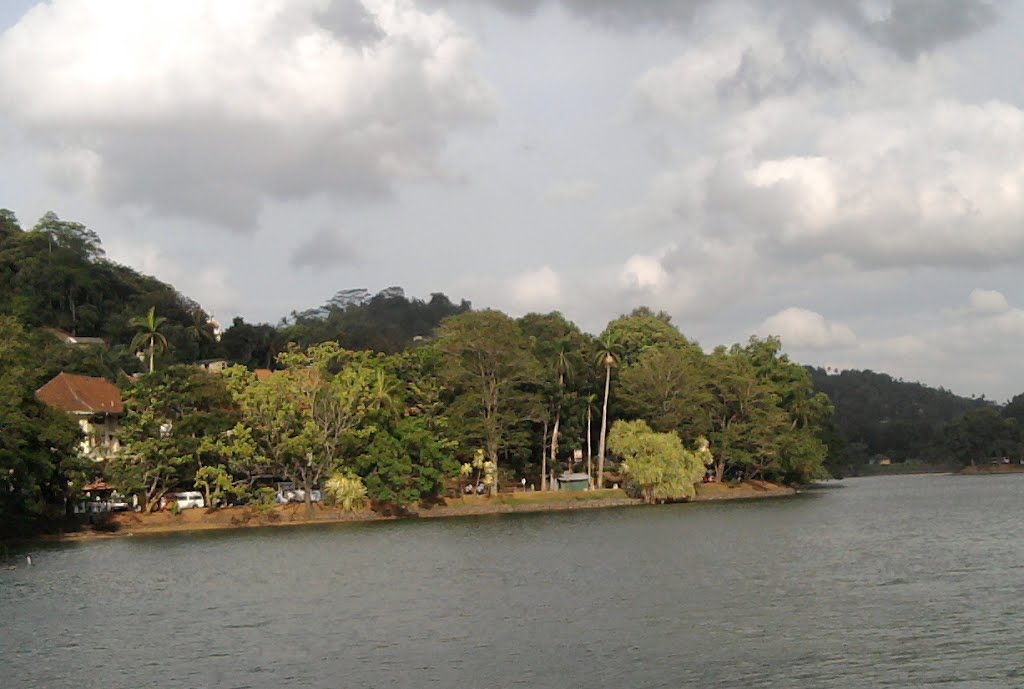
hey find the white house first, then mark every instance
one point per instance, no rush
(95, 403)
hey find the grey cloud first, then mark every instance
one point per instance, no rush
(222, 172)
(325, 249)
(913, 27)
(754, 81)
(909, 28)
(350, 22)
(621, 14)
(215, 129)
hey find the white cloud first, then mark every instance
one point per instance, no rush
(824, 143)
(538, 289)
(644, 273)
(804, 329)
(985, 301)
(206, 108)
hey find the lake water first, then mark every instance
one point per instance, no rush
(880, 582)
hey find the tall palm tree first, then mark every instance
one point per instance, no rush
(200, 328)
(149, 336)
(563, 367)
(607, 356)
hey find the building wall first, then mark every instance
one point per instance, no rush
(101, 436)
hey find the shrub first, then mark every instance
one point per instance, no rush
(346, 491)
(264, 499)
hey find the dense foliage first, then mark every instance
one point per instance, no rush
(877, 416)
(384, 397)
(56, 275)
(39, 462)
(656, 465)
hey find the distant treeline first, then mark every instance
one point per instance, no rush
(878, 417)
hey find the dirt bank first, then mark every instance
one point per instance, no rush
(134, 524)
(992, 469)
(741, 491)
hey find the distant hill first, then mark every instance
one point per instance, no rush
(876, 414)
(55, 275)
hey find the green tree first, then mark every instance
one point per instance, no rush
(237, 450)
(765, 419)
(40, 465)
(561, 349)
(642, 330)
(200, 331)
(486, 362)
(302, 416)
(982, 435)
(149, 336)
(876, 414)
(346, 490)
(744, 416)
(656, 465)
(218, 486)
(171, 417)
(608, 358)
(406, 462)
(253, 346)
(273, 412)
(667, 387)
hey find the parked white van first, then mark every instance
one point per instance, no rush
(190, 499)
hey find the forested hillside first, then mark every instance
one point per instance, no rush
(876, 414)
(56, 275)
(386, 322)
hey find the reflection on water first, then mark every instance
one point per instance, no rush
(883, 582)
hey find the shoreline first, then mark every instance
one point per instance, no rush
(991, 469)
(129, 524)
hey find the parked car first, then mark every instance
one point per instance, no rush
(189, 499)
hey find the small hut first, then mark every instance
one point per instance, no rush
(573, 481)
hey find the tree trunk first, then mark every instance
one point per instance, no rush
(604, 426)
(492, 454)
(544, 459)
(151, 354)
(307, 488)
(590, 449)
(554, 441)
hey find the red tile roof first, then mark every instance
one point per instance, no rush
(82, 394)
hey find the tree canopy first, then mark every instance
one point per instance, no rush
(387, 395)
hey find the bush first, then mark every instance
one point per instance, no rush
(656, 466)
(264, 499)
(346, 491)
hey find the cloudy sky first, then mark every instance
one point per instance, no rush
(847, 174)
